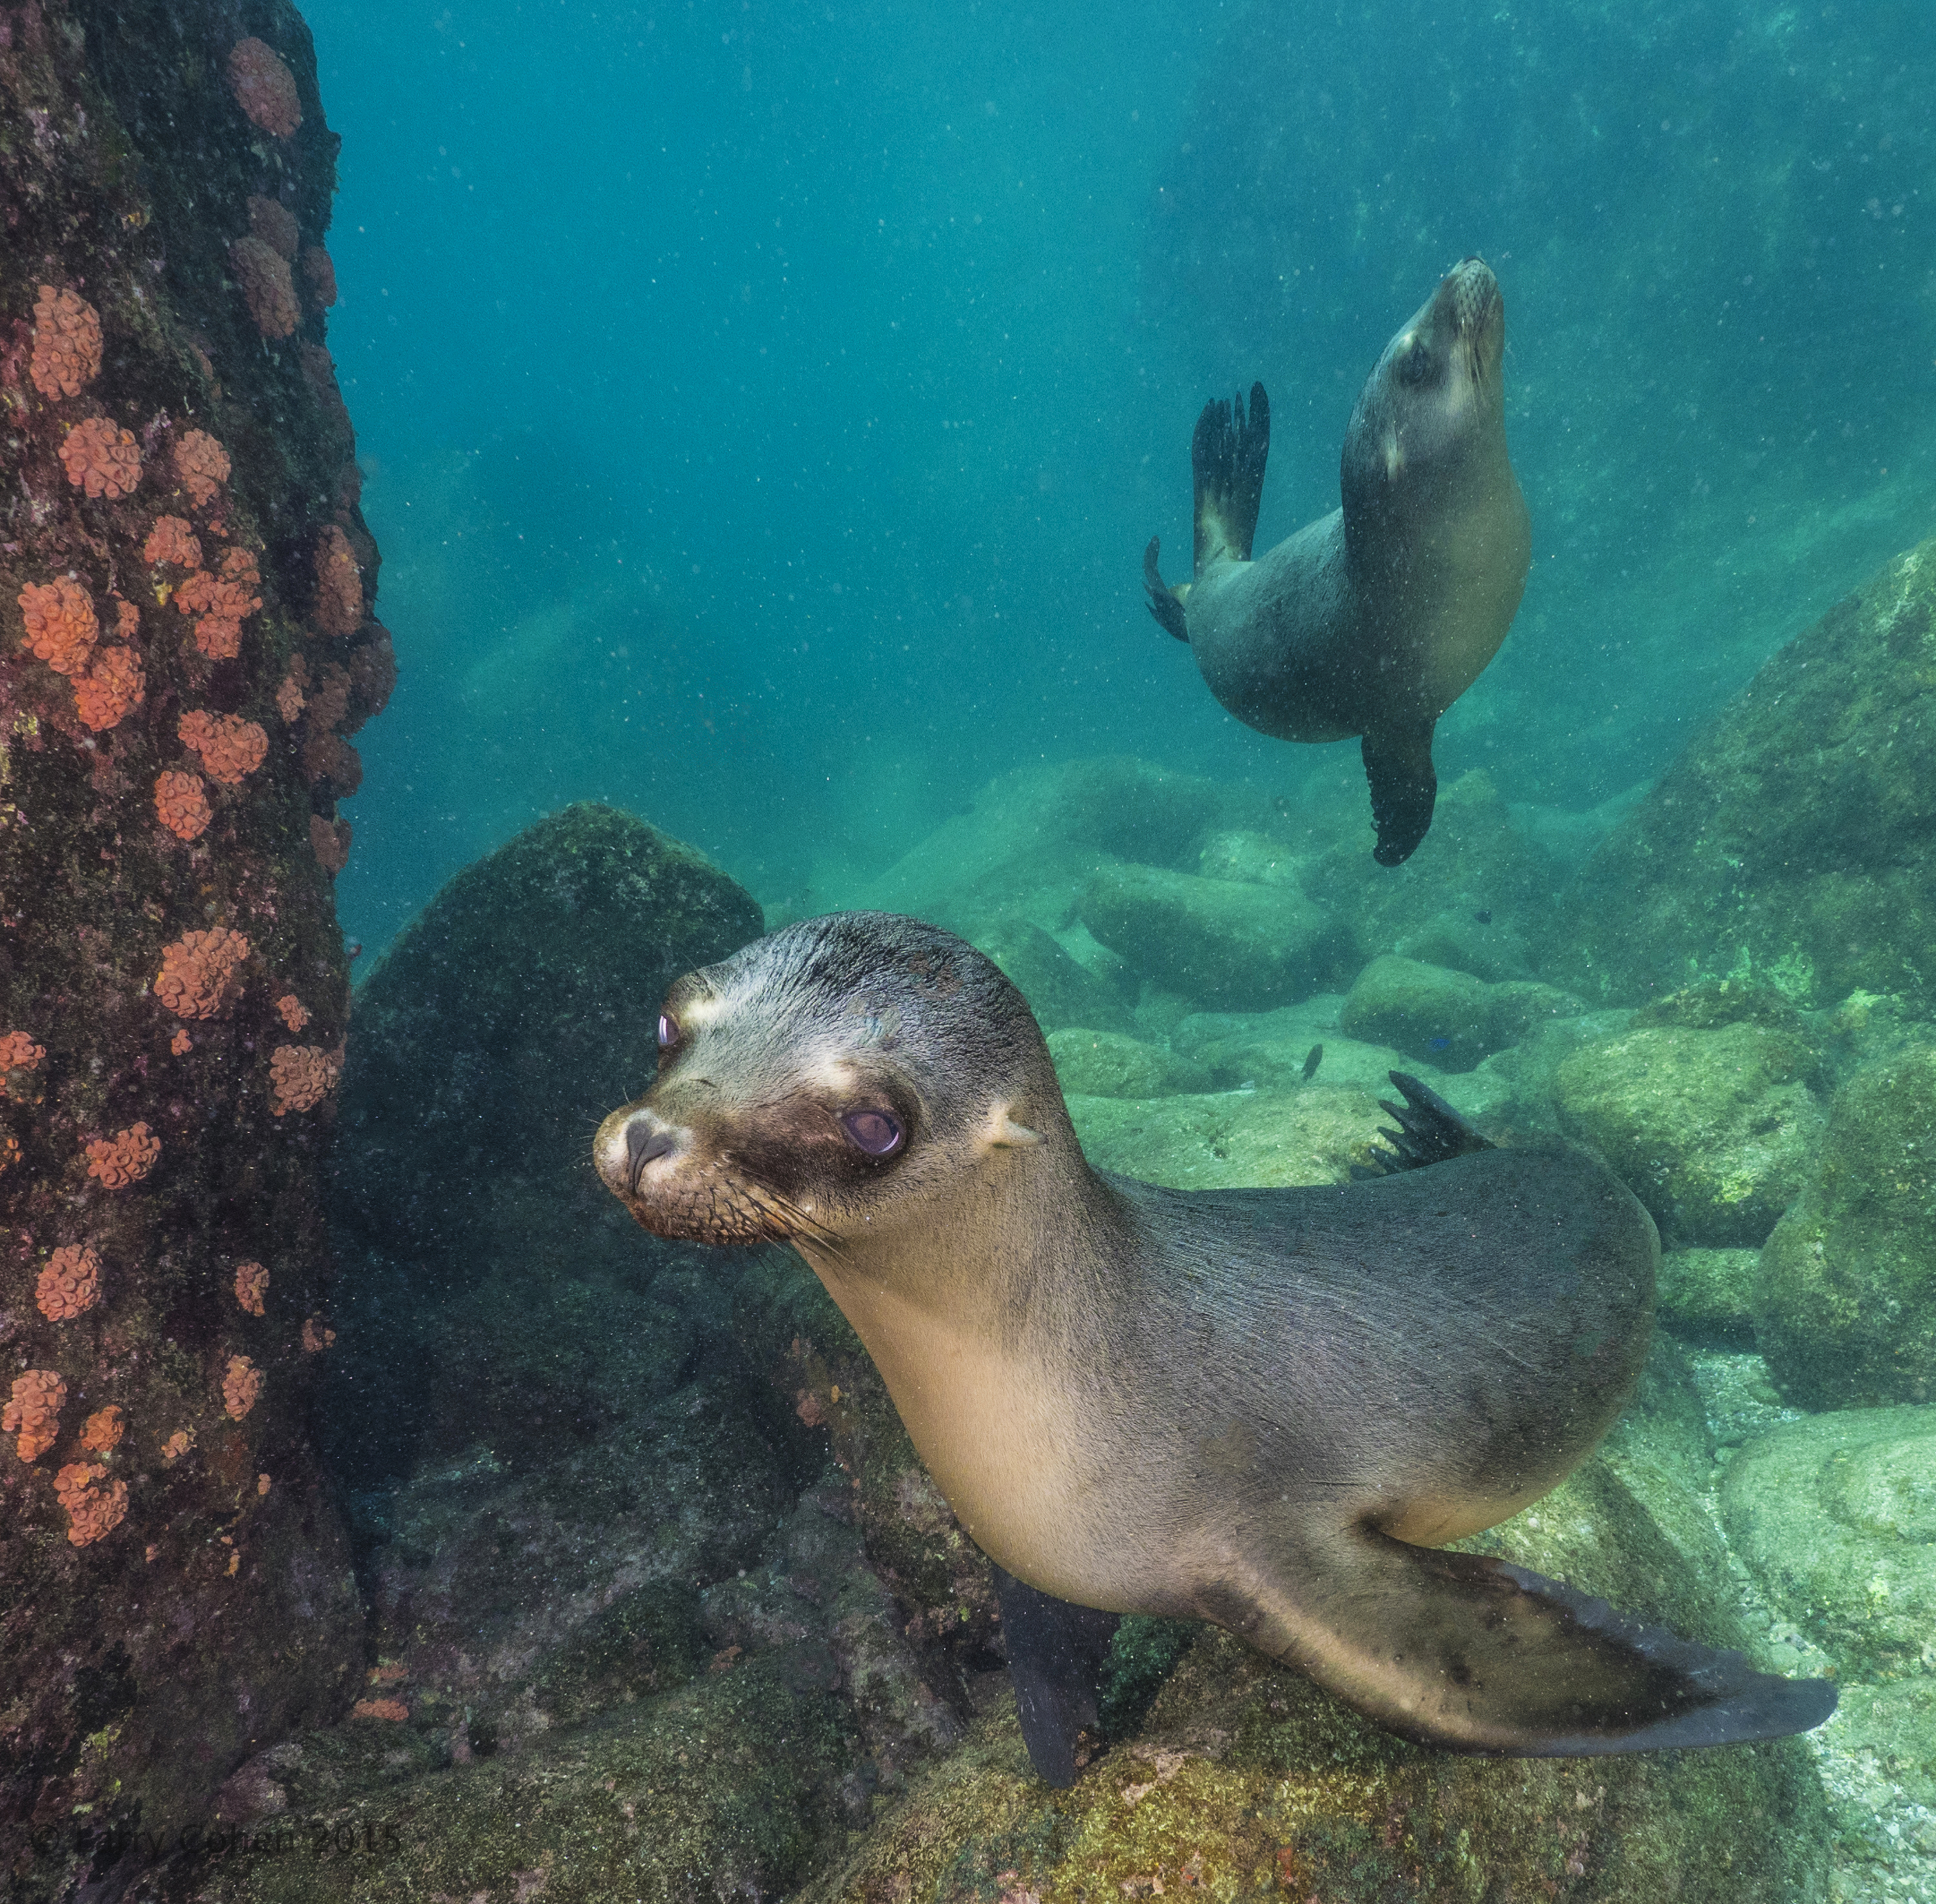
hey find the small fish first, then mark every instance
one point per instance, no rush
(1312, 1059)
(1440, 1042)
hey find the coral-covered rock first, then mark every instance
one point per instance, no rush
(1712, 1130)
(263, 87)
(338, 584)
(1845, 1299)
(201, 465)
(61, 624)
(1796, 836)
(67, 343)
(180, 1616)
(181, 804)
(263, 274)
(319, 277)
(100, 458)
(231, 748)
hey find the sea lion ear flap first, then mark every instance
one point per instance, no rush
(1000, 1131)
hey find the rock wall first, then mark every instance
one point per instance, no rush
(185, 642)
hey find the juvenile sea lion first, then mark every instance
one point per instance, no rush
(1374, 619)
(1259, 1407)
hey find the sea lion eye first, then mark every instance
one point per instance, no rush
(668, 1031)
(877, 1133)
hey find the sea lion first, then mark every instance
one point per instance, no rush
(1375, 620)
(1261, 1408)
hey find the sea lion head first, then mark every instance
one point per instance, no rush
(1435, 402)
(832, 1080)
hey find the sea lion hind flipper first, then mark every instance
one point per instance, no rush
(1478, 1655)
(1429, 1132)
(1165, 604)
(1227, 454)
(1056, 1652)
(1405, 788)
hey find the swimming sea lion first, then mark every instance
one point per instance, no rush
(1376, 619)
(1259, 1407)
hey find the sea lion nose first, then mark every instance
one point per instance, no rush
(646, 1140)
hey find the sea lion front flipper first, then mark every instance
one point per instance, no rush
(1227, 454)
(1476, 1654)
(1404, 786)
(1429, 1132)
(1165, 604)
(1056, 1651)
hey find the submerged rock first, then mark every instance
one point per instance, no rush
(1232, 1139)
(1712, 1130)
(1060, 991)
(1708, 1293)
(1443, 1017)
(1795, 838)
(1216, 942)
(499, 1292)
(1108, 1064)
(1837, 1517)
(1845, 1304)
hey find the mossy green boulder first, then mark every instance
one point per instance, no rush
(1108, 1064)
(1231, 1140)
(1445, 1017)
(1836, 1516)
(1712, 1130)
(1845, 1304)
(1217, 942)
(1708, 1293)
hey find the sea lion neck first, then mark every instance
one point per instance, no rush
(988, 1246)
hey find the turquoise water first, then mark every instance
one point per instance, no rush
(765, 407)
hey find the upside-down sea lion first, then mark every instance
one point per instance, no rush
(1374, 619)
(1259, 1407)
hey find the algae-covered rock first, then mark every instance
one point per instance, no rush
(1708, 1293)
(1429, 1012)
(1712, 1130)
(1468, 940)
(1254, 858)
(500, 1289)
(1108, 1064)
(1245, 1780)
(1215, 941)
(1795, 838)
(1233, 1139)
(1845, 1305)
(1060, 991)
(1837, 1517)
(730, 1787)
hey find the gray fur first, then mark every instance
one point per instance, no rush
(1374, 620)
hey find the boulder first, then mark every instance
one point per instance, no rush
(1430, 1012)
(1795, 838)
(1060, 991)
(497, 1292)
(1836, 1516)
(1256, 859)
(1712, 1130)
(1845, 1302)
(1108, 1064)
(1708, 1294)
(1233, 1140)
(1216, 942)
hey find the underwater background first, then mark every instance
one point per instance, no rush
(702, 455)
(764, 407)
